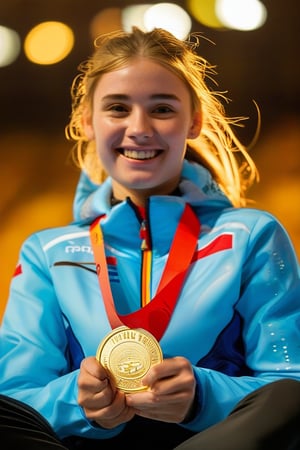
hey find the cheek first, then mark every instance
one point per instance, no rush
(105, 130)
(106, 142)
(177, 129)
(177, 137)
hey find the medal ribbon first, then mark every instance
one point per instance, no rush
(155, 316)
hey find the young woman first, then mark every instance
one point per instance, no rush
(168, 313)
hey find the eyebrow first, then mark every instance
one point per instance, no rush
(162, 96)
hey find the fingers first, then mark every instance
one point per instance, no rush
(170, 376)
(168, 408)
(170, 394)
(94, 390)
(92, 380)
(114, 414)
(100, 400)
(90, 366)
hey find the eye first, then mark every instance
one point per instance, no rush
(163, 109)
(117, 107)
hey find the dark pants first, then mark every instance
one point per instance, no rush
(267, 418)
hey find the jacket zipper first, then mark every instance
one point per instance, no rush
(146, 263)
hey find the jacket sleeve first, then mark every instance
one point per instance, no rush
(35, 367)
(269, 305)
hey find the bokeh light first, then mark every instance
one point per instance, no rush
(134, 16)
(244, 16)
(106, 21)
(10, 46)
(170, 17)
(204, 11)
(48, 43)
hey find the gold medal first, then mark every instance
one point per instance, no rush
(127, 354)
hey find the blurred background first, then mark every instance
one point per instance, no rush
(253, 44)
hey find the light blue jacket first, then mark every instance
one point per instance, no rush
(237, 318)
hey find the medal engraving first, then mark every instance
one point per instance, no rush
(127, 354)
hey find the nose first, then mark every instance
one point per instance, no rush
(139, 125)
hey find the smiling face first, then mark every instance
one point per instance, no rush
(141, 118)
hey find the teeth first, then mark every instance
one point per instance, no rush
(141, 154)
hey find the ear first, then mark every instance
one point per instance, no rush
(87, 124)
(196, 126)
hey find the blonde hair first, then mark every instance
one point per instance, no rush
(217, 146)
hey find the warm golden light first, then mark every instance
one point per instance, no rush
(107, 20)
(48, 43)
(204, 12)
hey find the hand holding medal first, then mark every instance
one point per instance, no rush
(127, 354)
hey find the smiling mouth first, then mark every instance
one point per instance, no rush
(140, 155)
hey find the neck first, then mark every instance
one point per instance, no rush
(141, 202)
(140, 196)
